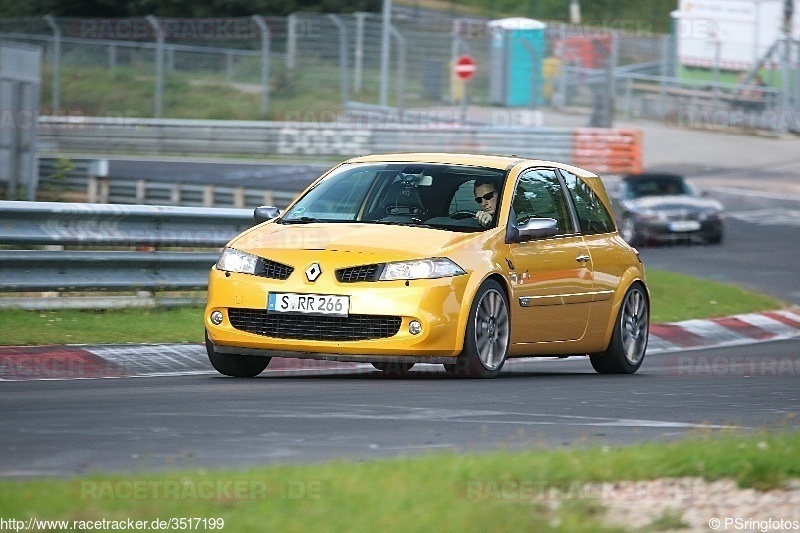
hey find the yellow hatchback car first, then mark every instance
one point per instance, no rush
(454, 259)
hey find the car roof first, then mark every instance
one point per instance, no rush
(502, 162)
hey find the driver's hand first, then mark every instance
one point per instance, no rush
(484, 218)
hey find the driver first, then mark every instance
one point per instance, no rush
(486, 196)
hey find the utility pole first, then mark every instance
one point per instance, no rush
(786, 65)
(386, 23)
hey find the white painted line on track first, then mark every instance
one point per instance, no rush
(753, 193)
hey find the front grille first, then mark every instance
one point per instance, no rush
(312, 327)
(681, 214)
(359, 273)
(272, 269)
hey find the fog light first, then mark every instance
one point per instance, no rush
(414, 327)
(216, 318)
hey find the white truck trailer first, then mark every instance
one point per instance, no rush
(729, 34)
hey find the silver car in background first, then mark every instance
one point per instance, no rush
(660, 207)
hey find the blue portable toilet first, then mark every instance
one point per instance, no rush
(517, 55)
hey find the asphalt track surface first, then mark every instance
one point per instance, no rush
(141, 424)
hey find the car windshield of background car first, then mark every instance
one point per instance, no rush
(657, 187)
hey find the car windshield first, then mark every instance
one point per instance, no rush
(429, 195)
(658, 186)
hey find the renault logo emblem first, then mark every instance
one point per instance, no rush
(313, 271)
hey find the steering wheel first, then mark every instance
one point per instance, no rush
(462, 214)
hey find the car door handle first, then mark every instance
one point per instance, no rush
(583, 258)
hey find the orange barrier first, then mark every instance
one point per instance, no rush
(608, 151)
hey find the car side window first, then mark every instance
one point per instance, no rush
(539, 195)
(592, 214)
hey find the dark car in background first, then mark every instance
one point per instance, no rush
(661, 207)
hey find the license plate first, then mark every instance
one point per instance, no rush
(310, 304)
(684, 225)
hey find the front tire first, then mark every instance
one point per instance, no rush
(487, 337)
(715, 239)
(236, 365)
(626, 350)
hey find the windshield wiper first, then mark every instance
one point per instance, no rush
(301, 220)
(312, 220)
(414, 223)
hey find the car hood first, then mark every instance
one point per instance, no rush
(384, 242)
(668, 203)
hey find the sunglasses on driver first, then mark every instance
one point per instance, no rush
(487, 196)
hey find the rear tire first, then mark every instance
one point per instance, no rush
(487, 337)
(626, 350)
(236, 365)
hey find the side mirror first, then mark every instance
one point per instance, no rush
(265, 213)
(534, 228)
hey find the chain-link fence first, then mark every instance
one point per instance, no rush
(314, 67)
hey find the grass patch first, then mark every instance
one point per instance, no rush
(126, 91)
(135, 325)
(675, 297)
(499, 491)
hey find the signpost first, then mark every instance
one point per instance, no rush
(464, 69)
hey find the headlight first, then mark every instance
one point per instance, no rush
(437, 267)
(235, 261)
(648, 215)
(711, 215)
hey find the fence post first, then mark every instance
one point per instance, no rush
(112, 56)
(386, 23)
(265, 45)
(56, 103)
(159, 63)
(208, 196)
(457, 47)
(342, 57)
(229, 66)
(175, 194)
(20, 85)
(141, 191)
(401, 65)
(796, 126)
(359, 52)
(291, 44)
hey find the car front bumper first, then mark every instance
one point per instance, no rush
(436, 304)
(661, 231)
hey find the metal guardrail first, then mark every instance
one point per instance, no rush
(86, 180)
(54, 223)
(225, 137)
(76, 271)
(137, 229)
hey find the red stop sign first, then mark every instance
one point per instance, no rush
(465, 67)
